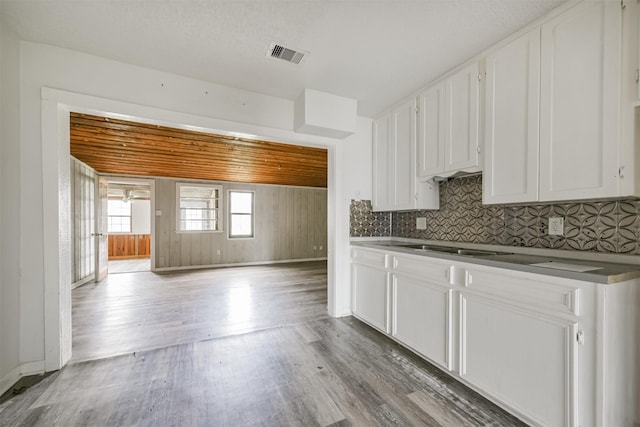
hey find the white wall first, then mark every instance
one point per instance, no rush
(357, 152)
(354, 181)
(170, 98)
(141, 217)
(9, 204)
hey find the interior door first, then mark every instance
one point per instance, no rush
(83, 202)
(102, 248)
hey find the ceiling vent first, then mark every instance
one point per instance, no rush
(278, 51)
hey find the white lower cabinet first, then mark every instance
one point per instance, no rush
(553, 351)
(514, 356)
(519, 342)
(422, 317)
(522, 359)
(370, 296)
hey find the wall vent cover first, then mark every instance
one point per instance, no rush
(278, 51)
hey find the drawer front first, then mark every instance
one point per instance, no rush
(369, 257)
(425, 268)
(532, 291)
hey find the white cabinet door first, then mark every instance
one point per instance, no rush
(422, 318)
(522, 358)
(462, 126)
(381, 165)
(403, 158)
(580, 93)
(512, 122)
(395, 185)
(370, 296)
(431, 125)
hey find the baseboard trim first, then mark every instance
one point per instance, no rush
(9, 380)
(83, 281)
(344, 313)
(13, 376)
(236, 264)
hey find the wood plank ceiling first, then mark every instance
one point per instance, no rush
(128, 148)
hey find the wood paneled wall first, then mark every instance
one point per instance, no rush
(82, 192)
(129, 246)
(290, 223)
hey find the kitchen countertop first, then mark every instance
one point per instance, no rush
(520, 259)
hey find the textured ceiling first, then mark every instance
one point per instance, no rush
(374, 51)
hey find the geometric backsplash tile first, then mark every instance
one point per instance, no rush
(461, 217)
(365, 223)
(601, 226)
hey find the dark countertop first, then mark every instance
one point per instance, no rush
(520, 259)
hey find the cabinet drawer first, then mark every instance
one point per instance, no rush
(421, 267)
(531, 290)
(369, 257)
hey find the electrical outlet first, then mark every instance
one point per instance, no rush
(421, 223)
(556, 226)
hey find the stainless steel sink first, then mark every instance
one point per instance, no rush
(432, 248)
(478, 252)
(453, 250)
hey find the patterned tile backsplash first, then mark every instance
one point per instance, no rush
(601, 226)
(365, 223)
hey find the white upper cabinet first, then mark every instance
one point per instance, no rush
(431, 124)
(448, 127)
(403, 153)
(512, 122)
(572, 149)
(462, 132)
(381, 163)
(580, 103)
(558, 120)
(395, 185)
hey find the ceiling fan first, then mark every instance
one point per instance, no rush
(127, 193)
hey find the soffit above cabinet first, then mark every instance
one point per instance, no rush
(122, 147)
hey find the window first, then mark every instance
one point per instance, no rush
(240, 214)
(119, 216)
(198, 207)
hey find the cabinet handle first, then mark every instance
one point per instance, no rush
(580, 337)
(451, 277)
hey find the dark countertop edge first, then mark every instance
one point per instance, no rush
(630, 271)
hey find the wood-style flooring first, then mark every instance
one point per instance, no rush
(249, 346)
(141, 311)
(129, 265)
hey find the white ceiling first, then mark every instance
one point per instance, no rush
(374, 51)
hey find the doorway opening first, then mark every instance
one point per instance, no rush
(128, 225)
(56, 106)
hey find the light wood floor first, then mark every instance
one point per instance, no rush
(247, 346)
(129, 265)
